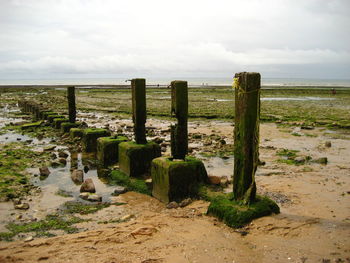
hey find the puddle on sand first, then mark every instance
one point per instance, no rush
(60, 178)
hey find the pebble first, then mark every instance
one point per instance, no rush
(28, 239)
(328, 144)
(120, 190)
(23, 206)
(172, 205)
(94, 198)
(185, 202)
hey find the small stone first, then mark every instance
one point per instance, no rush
(18, 217)
(44, 171)
(94, 198)
(126, 217)
(172, 205)
(163, 149)
(16, 201)
(23, 206)
(322, 160)
(88, 186)
(328, 144)
(55, 164)
(28, 239)
(299, 160)
(63, 161)
(120, 190)
(53, 156)
(185, 202)
(84, 195)
(214, 179)
(224, 181)
(63, 154)
(158, 140)
(49, 148)
(77, 176)
(86, 169)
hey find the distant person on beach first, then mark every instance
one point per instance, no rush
(334, 91)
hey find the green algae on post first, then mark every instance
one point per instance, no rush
(138, 88)
(107, 149)
(246, 135)
(90, 136)
(71, 104)
(179, 106)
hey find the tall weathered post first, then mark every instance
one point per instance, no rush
(135, 157)
(246, 135)
(71, 104)
(179, 106)
(138, 89)
(178, 177)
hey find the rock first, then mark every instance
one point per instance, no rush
(77, 176)
(322, 160)
(63, 161)
(23, 206)
(224, 181)
(304, 127)
(222, 142)
(120, 190)
(28, 239)
(328, 144)
(55, 164)
(94, 198)
(185, 202)
(88, 186)
(148, 182)
(53, 156)
(158, 140)
(44, 171)
(16, 201)
(63, 154)
(86, 169)
(299, 160)
(84, 195)
(172, 205)
(163, 149)
(126, 217)
(214, 179)
(49, 148)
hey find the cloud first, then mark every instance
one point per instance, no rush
(163, 37)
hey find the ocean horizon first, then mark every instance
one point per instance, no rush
(166, 81)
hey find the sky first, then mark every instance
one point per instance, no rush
(186, 38)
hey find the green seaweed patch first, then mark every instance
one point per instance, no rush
(73, 207)
(14, 159)
(63, 193)
(51, 222)
(132, 184)
(31, 125)
(235, 214)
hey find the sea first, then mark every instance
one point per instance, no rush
(282, 82)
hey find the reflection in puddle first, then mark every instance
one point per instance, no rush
(60, 177)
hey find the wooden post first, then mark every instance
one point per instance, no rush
(71, 104)
(246, 135)
(138, 87)
(179, 106)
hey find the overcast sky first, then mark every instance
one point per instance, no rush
(163, 38)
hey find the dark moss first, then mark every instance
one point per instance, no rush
(31, 125)
(90, 136)
(73, 207)
(107, 149)
(58, 121)
(76, 132)
(235, 214)
(177, 180)
(135, 159)
(67, 126)
(51, 222)
(132, 184)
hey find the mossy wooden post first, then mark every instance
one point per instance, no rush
(246, 135)
(138, 88)
(179, 106)
(71, 104)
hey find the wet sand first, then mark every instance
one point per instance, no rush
(313, 226)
